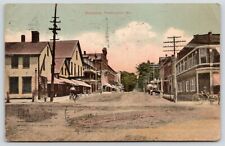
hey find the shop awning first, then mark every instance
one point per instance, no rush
(81, 83)
(69, 82)
(56, 81)
(107, 84)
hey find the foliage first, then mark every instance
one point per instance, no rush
(128, 80)
(146, 73)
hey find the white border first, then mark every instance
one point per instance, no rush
(2, 105)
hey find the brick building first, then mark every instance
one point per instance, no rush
(109, 79)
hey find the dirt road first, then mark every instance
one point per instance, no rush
(131, 116)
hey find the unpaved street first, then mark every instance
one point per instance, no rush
(130, 116)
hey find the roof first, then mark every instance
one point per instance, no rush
(166, 60)
(198, 40)
(111, 68)
(58, 64)
(24, 48)
(65, 48)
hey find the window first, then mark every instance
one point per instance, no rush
(44, 65)
(192, 84)
(62, 70)
(203, 55)
(65, 70)
(26, 84)
(26, 62)
(183, 86)
(195, 58)
(13, 85)
(78, 70)
(47, 51)
(14, 61)
(185, 64)
(81, 71)
(187, 86)
(76, 55)
(74, 69)
(179, 86)
(71, 68)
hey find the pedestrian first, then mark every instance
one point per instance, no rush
(72, 91)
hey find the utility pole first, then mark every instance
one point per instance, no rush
(54, 30)
(174, 50)
(107, 32)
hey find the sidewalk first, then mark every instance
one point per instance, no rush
(61, 99)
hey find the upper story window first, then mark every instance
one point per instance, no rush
(71, 68)
(203, 55)
(76, 55)
(14, 61)
(26, 62)
(47, 51)
(78, 67)
(62, 70)
(195, 58)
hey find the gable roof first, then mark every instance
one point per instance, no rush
(24, 48)
(58, 64)
(66, 48)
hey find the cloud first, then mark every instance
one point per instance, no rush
(129, 45)
(176, 32)
(91, 41)
(135, 31)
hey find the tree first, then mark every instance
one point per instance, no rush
(128, 80)
(147, 72)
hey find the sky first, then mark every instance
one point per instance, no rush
(136, 31)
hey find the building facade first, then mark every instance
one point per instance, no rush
(27, 67)
(69, 68)
(198, 66)
(91, 75)
(167, 65)
(109, 79)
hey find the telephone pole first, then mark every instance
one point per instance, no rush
(54, 30)
(107, 32)
(174, 50)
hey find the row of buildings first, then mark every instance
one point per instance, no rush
(197, 68)
(28, 69)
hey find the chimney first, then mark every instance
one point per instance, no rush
(35, 36)
(22, 38)
(209, 37)
(84, 52)
(104, 51)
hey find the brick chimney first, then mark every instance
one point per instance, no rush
(23, 38)
(35, 36)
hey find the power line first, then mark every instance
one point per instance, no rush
(173, 44)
